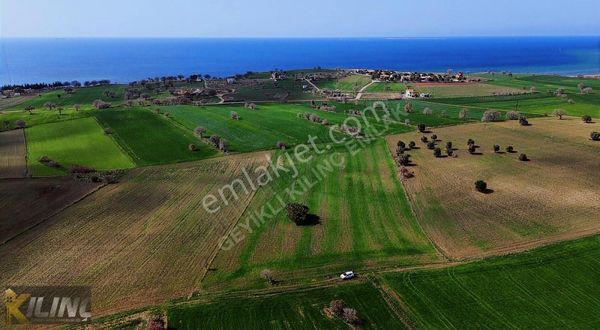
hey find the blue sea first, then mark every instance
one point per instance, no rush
(123, 60)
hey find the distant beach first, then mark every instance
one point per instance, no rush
(123, 60)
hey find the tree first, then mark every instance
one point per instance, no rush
(427, 111)
(523, 157)
(512, 115)
(29, 109)
(408, 107)
(559, 113)
(267, 274)
(401, 144)
(421, 128)
(297, 212)
(99, 104)
(587, 90)
(523, 121)
(337, 307)
(20, 123)
(404, 160)
(595, 136)
(60, 110)
(496, 148)
(412, 144)
(215, 139)
(480, 186)
(199, 131)
(192, 147)
(280, 145)
(156, 324)
(580, 86)
(449, 145)
(224, 145)
(464, 113)
(424, 139)
(510, 149)
(491, 115)
(472, 148)
(50, 105)
(350, 316)
(437, 152)
(470, 141)
(76, 107)
(234, 115)
(107, 131)
(434, 137)
(430, 145)
(587, 119)
(449, 151)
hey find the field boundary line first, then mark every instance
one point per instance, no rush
(122, 148)
(89, 193)
(395, 304)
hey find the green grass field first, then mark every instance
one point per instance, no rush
(538, 103)
(350, 83)
(380, 87)
(297, 310)
(261, 129)
(73, 142)
(555, 286)
(150, 138)
(543, 83)
(364, 216)
(82, 96)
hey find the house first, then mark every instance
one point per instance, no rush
(230, 81)
(424, 95)
(410, 93)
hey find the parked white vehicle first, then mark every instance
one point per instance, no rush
(347, 275)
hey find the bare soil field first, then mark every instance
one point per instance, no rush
(12, 154)
(27, 202)
(554, 196)
(142, 241)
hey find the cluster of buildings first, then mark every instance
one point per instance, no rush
(398, 76)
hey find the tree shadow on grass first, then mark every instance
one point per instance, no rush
(311, 220)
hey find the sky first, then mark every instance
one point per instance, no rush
(297, 18)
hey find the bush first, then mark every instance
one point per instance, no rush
(496, 148)
(192, 147)
(412, 144)
(480, 186)
(424, 139)
(523, 157)
(510, 149)
(404, 160)
(337, 307)
(491, 115)
(595, 136)
(297, 212)
(512, 115)
(421, 128)
(350, 316)
(437, 152)
(20, 123)
(280, 145)
(80, 169)
(587, 119)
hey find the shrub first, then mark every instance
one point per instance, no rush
(587, 119)
(192, 147)
(20, 123)
(267, 274)
(297, 212)
(412, 144)
(350, 316)
(337, 307)
(510, 149)
(595, 136)
(496, 148)
(421, 128)
(424, 139)
(512, 115)
(491, 115)
(523, 157)
(480, 186)
(199, 131)
(430, 145)
(99, 104)
(404, 160)
(280, 145)
(80, 169)
(437, 152)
